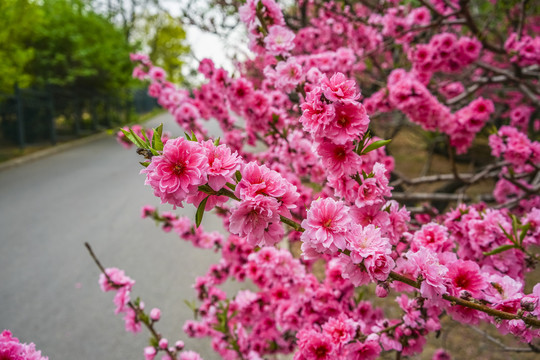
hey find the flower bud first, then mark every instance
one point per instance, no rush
(179, 345)
(149, 353)
(163, 343)
(529, 302)
(381, 290)
(155, 314)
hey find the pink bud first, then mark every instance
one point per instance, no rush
(155, 314)
(163, 343)
(381, 290)
(179, 344)
(529, 302)
(149, 353)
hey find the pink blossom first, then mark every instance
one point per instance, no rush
(339, 88)
(178, 172)
(313, 345)
(149, 353)
(118, 279)
(432, 272)
(279, 41)
(339, 160)
(432, 236)
(351, 122)
(465, 275)
(190, 355)
(379, 266)
(365, 242)
(257, 218)
(155, 314)
(12, 349)
(132, 324)
(222, 164)
(326, 226)
(341, 329)
(260, 180)
(368, 350)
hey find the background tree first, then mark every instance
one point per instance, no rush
(19, 19)
(79, 48)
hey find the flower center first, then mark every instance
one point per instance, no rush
(178, 169)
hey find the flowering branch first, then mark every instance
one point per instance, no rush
(141, 315)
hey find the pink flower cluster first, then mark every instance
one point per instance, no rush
(264, 196)
(175, 176)
(445, 52)
(12, 349)
(525, 50)
(115, 279)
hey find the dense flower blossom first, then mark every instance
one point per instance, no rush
(257, 218)
(12, 349)
(300, 107)
(279, 41)
(327, 226)
(178, 172)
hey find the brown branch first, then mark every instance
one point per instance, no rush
(499, 343)
(470, 304)
(429, 196)
(521, 22)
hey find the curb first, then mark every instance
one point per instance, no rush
(50, 151)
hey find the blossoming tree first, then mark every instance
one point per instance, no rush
(325, 77)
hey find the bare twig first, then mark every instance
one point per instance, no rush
(499, 343)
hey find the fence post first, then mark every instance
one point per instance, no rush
(20, 116)
(78, 116)
(51, 112)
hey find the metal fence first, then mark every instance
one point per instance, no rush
(32, 116)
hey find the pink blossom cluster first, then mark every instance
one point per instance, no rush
(313, 179)
(12, 349)
(445, 52)
(116, 280)
(175, 176)
(525, 50)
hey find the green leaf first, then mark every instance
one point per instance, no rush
(200, 212)
(138, 141)
(157, 144)
(375, 145)
(193, 137)
(238, 175)
(500, 249)
(145, 164)
(216, 142)
(524, 229)
(153, 342)
(508, 236)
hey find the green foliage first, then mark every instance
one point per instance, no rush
(76, 47)
(163, 37)
(19, 19)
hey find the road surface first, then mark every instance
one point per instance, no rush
(49, 293)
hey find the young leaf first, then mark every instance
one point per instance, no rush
(524, 229)
(138, 140)
(200, 212)
(216, 142)
(500, 249)
(238, 175)
(375, 145)
(157, 144)
(130, 137)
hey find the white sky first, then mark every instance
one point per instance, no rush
(208, 45)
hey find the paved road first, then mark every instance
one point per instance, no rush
(48, 283)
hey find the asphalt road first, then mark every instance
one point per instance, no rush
(49, 293)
